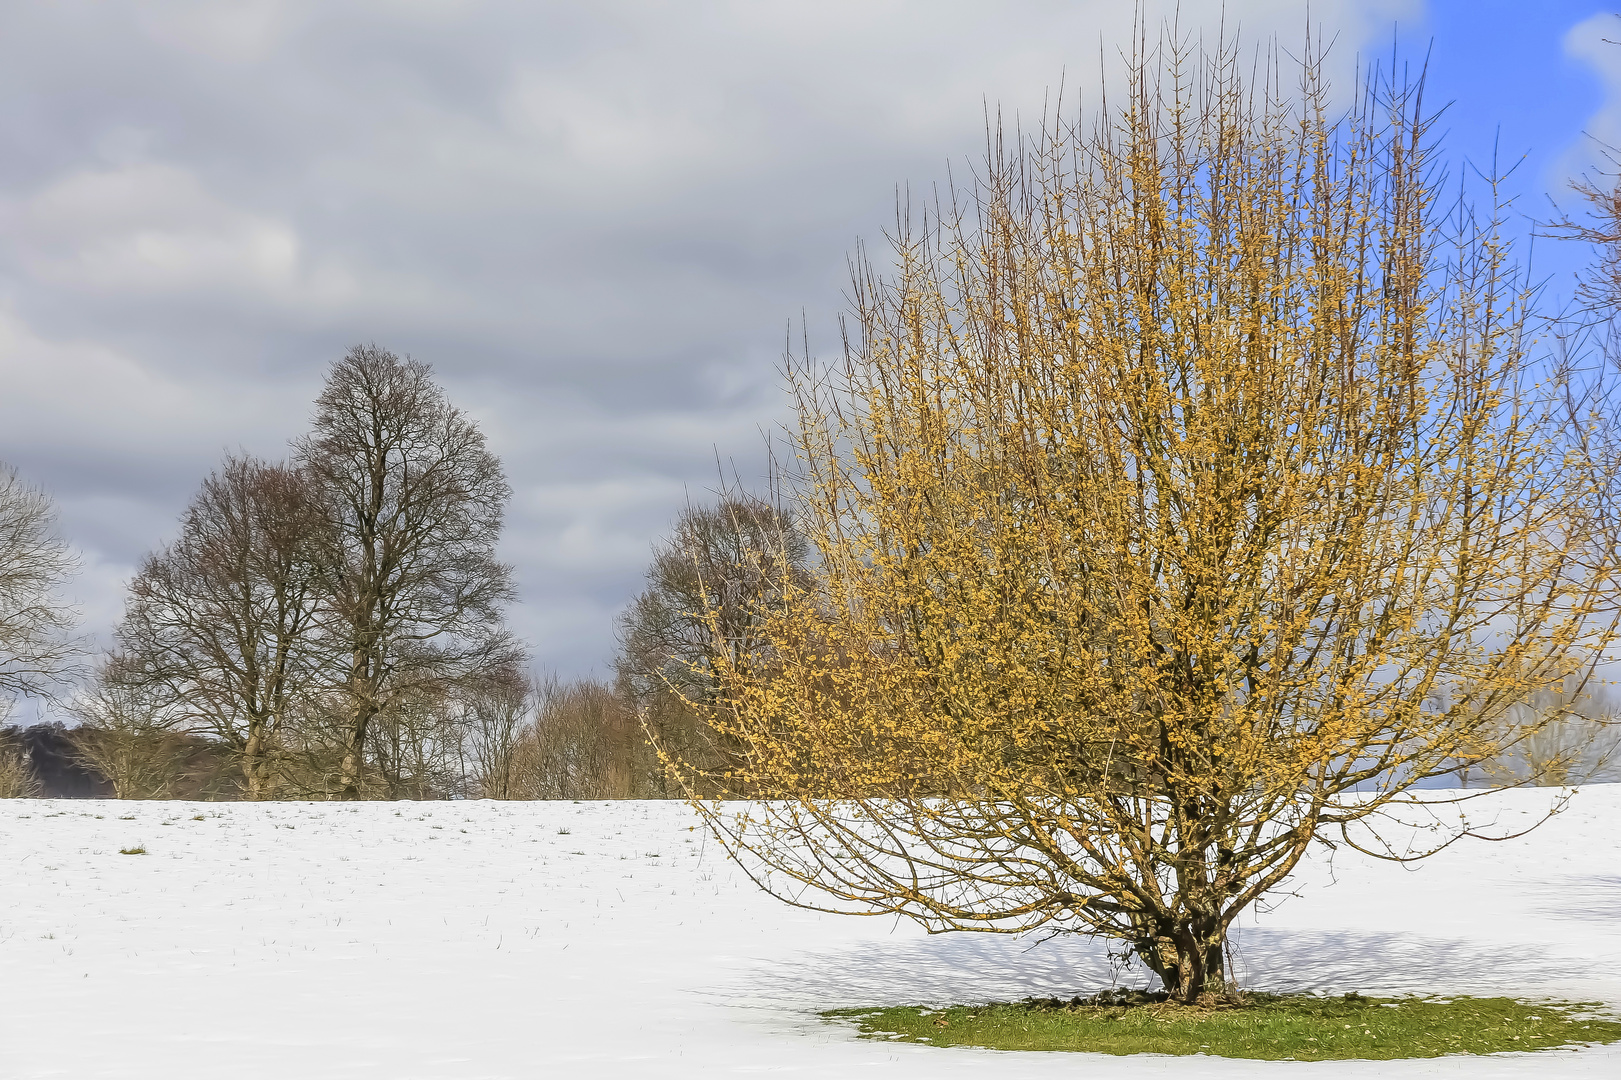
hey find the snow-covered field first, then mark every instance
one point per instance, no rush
(546, 940)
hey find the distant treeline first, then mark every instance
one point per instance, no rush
(563, 741)
(332, 626)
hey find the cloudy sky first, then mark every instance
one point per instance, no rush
(595, 220)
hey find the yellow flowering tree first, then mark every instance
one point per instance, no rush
(1184, 494)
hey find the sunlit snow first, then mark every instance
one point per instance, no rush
(484, 939)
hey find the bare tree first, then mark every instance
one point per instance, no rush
(18, 778)
(585, 743)
(733, 560)
(413, 502)
(417, 745)
(126, 734)
(35, 651)
(499, 708)
(222, 625)
(1580, 741)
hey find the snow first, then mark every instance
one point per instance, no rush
(483, 939)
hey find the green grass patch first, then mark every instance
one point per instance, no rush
(1274, 1028)
(132, 851)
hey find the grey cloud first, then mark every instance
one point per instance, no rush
(596, 222)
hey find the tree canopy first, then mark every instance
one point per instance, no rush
(1186, 494)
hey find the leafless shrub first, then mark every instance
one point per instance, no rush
(125, 735)
(17, 777)
(585, 743)
(415, 746)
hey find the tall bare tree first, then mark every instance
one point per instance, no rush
(36, 652)
(222, 625)
(1583, 744)
(413, 502)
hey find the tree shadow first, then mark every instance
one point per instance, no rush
(944, 968)
(970, 967)
(1385, 963)
(1588, 898)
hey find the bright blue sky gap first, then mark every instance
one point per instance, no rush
(1502, 66)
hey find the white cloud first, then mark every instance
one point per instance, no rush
(1593, 41)
(150, 228)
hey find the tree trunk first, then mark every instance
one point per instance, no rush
(253, 765)
(1189, 960)
(362, 692)
(349, 785)
(354, 756)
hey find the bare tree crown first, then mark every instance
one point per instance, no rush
(413, 504)
(224, 626)
(36, 653)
